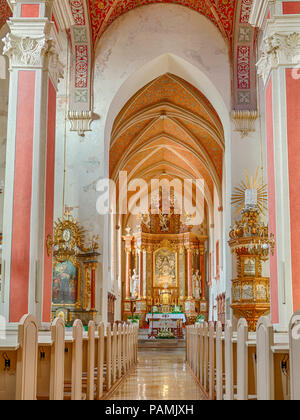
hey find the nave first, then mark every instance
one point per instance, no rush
(160, 374)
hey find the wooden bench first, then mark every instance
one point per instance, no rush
(59, 365)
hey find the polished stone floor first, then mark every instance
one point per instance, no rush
(161, 374)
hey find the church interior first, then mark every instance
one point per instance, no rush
(149, 201)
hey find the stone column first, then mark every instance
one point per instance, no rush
(33, 49)
(278, 68)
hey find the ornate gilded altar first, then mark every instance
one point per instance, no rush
(74, 272)
(250, 244)
(165, 266)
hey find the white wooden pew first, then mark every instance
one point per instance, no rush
(27, 355)
(265, 361)
(229, 362)
(91, 361)
(211, 359)
(219, 362)
(100, 361)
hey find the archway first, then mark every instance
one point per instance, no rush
(167, 131)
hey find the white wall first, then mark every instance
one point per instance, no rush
(4, 86)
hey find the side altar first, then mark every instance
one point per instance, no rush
(164, 267)
(74, 272)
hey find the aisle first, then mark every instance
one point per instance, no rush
(161, 374)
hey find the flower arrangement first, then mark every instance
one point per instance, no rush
(165, 333)
(200, 318)
(134, 319)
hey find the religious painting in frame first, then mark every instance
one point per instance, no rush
(65, 283)
(165, 265)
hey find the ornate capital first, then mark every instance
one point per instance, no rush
(34, 45)
(25, 51)
(278, 49)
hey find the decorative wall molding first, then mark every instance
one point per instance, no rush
(80, 106)
(80, 121)
(258, 12)
(62, 14)
(244, 121)
(244, 56)
(278, 50)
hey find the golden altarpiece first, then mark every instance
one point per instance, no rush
(164, 267)
(74, 272)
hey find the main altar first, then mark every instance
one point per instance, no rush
(164, 267)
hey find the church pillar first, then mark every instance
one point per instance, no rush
(190, 273)
(202, 273)
(203, 303)
(128, 273)
(33, 48)
(190, 302)
(278, 68)
(141, 274)
(126, 302)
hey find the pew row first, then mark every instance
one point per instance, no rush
(242, 365)
(63, 365)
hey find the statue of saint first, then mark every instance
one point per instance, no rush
(134, 283)
(196, 285)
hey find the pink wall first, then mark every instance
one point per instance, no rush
(272, 203)
(293, 125)
(20, 261)
(47, 295)
(291, 7)
(30, 10)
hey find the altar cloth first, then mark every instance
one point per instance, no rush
(165, 316)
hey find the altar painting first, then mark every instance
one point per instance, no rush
(65, 281)
(165, 268)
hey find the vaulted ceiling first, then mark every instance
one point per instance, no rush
(168, 128)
